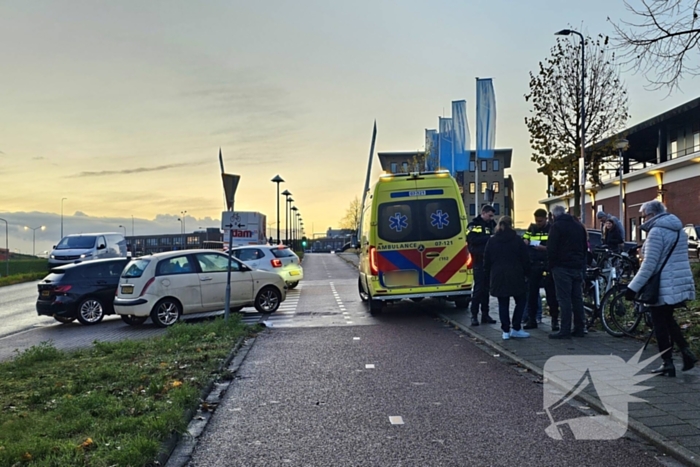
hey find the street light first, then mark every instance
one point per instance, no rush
(62, 200)
(7, 249)
(567, 32)
(183, 227)
(34, 229)
(124, 229)
(294, 215)
(286, 194)
(278, 180)
(621, 145)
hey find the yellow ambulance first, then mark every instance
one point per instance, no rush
(413, 241)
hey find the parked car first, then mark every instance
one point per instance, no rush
(278, 259)
(693, 232)
(82, 290)
(86, 247)
(164, 286)
(595, 238)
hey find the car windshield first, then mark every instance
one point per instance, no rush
(420, 220)
(68, 243)
(282, 253)
(135, 268)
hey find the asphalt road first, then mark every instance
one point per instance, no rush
(328, 395)
(17, 309)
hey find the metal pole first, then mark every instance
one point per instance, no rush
(62, 200)
(278, 213)
(622, 216)
(7, 249)
(286, 220)
(583, 127)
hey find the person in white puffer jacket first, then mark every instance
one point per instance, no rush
(676, 284)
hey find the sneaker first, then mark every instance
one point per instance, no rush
(519, 333)
(506, 336)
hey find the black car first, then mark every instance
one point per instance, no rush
(82, 290)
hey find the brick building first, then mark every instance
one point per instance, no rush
(661, 162)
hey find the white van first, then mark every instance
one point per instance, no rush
(88, 246)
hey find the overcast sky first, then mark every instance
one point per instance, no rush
(121, 107)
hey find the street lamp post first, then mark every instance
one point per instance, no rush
(278, 180)
(566, 32)
(62, 200)
(286, 194)
(182, 226)
(621, 145)
(7, 249)
(124, 229)
(294, 215)
(34, 229)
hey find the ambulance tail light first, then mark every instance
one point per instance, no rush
(469, 260)
(373, 265)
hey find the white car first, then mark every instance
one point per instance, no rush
(278, 259)
(167, 285)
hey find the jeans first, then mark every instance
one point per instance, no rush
(569, 283)
(504, 312)
(666, 330)
(537, 278)
(480, 296)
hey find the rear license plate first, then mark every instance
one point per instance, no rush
(127, 289)
(293, 273)
(45, 293)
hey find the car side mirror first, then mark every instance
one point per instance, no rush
(101, 246)
(54, 247)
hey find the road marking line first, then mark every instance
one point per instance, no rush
(356, 338)
(396, 420)
(369, 366)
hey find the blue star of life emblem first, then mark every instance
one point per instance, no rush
(439, 219)
(398, 222)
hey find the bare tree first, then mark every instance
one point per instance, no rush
(663, 40)
(554, 123)
(351, 220)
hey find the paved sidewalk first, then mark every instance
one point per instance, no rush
(670, 417)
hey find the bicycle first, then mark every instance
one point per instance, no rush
(627, 315)
(594, 305)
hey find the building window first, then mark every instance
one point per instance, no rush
(633, 229)
(404, 167)
(496, 165)
(674, 149)
(151, 242)
(472, 188)
(484, 186)
(394, 167)
(165, 241)
(497, 208)
(484, 165)
(496, 187)
(472, 209)
(472, 166)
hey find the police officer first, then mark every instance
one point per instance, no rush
(479, 231)
(536, 237)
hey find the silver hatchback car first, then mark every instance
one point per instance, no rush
(278, 259)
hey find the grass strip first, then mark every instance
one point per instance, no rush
(23, 277)
(113, 404)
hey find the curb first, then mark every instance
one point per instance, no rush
(178, 448)
(347, 261)
(663, 444)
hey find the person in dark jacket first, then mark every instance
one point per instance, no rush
(479, 231)
(507, 262)
(612, 237)
(536, 238)
(566, 253)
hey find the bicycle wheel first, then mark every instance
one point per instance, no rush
(608, 309)
(626, 315)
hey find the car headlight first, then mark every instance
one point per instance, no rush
(53, 257)
(85, 255)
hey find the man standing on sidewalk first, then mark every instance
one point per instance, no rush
(479, 231)
(536, 237)
(566, 253)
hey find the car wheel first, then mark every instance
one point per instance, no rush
(268, 300)
(90, 311)
(132, 320)
(375, 307)
(64, 319)
(166, 312)
(364, 296)
(462, 303)
(291, 285)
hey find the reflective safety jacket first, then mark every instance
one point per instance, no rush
(537, 236)
(478, 233)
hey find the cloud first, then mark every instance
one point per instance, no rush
(136, 170)
(80, 214)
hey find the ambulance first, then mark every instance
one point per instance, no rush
(413, 241)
